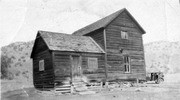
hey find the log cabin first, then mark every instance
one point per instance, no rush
(106, 50)
(62, 58)
(120, 36)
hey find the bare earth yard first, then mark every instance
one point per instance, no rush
(169, 90)
(151, 92)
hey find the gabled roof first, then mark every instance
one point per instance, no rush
(67, 42)
(102, 23)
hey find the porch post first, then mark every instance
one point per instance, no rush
(71, 73)
(105, 58)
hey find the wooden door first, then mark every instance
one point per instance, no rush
(76, 67)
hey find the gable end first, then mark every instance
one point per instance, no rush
(104, 22)
(134, 20)
(125, 19)
(39, 45)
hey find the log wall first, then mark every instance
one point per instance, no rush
(98, 74)
(62, 66)
(43, 79)
(98, 37)
(132, 46)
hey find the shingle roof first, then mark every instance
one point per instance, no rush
(103, 23)
(67, 42)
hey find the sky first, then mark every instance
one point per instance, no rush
(21, 19)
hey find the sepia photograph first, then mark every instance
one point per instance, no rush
(90, 49)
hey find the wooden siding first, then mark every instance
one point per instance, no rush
(39, 46)
(62, 66)
(132, 46)
(98, 37)
(43, 79)
(98, 74)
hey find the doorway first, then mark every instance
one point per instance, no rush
(76, 67)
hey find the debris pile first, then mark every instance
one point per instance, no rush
(81, 87)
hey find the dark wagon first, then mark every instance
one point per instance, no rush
(157, 77)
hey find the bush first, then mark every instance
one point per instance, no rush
(5, 64)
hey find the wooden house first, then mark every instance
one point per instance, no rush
(120, 36)
(62, 58)
(106, 50)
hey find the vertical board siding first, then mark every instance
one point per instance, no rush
(43, 79)
(133, 47)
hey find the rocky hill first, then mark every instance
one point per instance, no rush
(16, 63)
(163, 56)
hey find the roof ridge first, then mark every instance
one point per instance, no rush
(50, 32)
(42, 32)
(104, 22)
(104, 18)
(119, 12)
(68, 42)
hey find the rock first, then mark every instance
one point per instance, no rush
(137, 89)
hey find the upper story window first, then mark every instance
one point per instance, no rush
(92, 63)
(41, 65)
(124, 35)
(127, 64)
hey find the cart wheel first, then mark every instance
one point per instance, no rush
(156, 81)
(161, 80)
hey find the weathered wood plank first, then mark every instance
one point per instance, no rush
(132, 46)
(98, 37)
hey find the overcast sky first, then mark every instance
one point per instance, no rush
(21, 19)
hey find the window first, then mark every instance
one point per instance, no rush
(41, 65)
(92, 63)
(124, 35)
(127, 64)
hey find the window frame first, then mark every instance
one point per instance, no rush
(41, 65)
(127, 64)
(93, 66)
(124, 35)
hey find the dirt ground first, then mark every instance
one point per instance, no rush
(165, 91)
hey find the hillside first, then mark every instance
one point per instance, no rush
(15, 59)
(163, 56)
(67, 16)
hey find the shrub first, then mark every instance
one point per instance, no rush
(5, 64)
